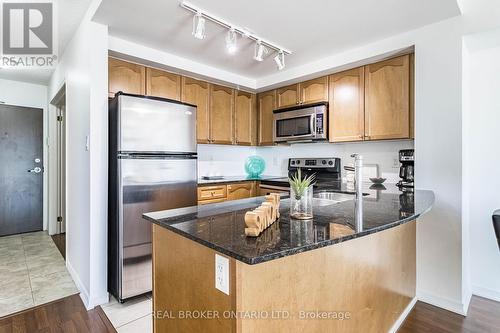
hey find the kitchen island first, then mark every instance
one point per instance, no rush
(347, 270)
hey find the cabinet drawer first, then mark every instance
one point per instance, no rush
(209, 201)
(211, 192)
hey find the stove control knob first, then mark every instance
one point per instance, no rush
(330, 162)
(323, 162)
(292, 162)
(298, 162)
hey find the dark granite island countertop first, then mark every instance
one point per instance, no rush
(221, 226)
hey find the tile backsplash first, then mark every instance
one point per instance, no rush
(215, 160)
(230, 160)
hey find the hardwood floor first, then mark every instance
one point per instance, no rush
(60, 241)
(69, 315)
(483, 317)
(64, 315)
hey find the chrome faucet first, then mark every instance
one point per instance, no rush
(358, 173)
(358, 185)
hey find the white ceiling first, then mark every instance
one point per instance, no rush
(70, 14)
(310, 29)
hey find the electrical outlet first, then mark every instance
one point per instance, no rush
(395, 163)
(222, 274)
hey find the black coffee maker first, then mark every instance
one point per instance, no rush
(406, 171)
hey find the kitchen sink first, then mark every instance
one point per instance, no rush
(327, 198)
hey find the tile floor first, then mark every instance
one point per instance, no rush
(32, 272)
(132, 316)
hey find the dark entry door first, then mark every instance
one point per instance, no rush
(21, 169)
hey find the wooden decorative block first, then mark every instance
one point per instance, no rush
(263, 216)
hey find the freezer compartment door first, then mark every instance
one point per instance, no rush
(154, 126)
(148, 185)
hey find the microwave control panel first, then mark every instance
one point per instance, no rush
(319, 123)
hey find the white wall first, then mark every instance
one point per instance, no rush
(83, 69)
(33, 96)
(481, 159)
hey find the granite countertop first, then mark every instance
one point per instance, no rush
(234, 179)
(221, 226)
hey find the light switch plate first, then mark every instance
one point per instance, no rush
(222, 274)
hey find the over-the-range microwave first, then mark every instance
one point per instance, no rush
(301, 123)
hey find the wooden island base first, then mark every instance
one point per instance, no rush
(360, 285)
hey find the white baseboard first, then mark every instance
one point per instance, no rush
(84, 294)
(443, 302)
(99, 300)
(395, 327)
(467, 299)
(488, 293)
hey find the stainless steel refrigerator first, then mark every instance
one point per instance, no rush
(152, 166)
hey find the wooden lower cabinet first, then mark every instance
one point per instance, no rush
(367, 281)
(240, 190)
(224, 192)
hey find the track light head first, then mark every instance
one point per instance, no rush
(199, 26)
(231, 43)
(260, 51)
(280, 60)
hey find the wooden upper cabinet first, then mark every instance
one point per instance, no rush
(245, 118)
(266, 104)
(221, 114)
(315, 90)
(287, 96)
(412, 96)
(125, 76)
(198, 93)
(163, 84)
(346, 106)
(387, 99)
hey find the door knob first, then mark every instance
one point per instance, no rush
(35, 170)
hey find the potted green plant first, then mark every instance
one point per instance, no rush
(301, 195)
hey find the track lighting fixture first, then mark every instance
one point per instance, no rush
(280, 60)
(198, 26)
(260, 51)
(262, 47)
(231, 44)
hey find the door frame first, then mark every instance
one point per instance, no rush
(53, 212)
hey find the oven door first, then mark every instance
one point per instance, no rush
(294, 125)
